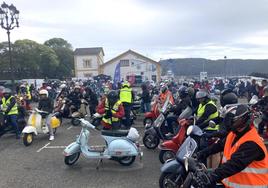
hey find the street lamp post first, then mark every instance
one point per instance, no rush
(225, 67)
(9, 19)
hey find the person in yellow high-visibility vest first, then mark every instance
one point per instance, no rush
(206, 111)
(10, 110)
(126, 96)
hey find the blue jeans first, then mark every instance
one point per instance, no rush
(127, 108)
(12, 120)
(147, 107)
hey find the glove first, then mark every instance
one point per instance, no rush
(203, 179)
(108, 114)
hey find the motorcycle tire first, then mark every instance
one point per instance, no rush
(75, 122)
(150, 141)
(71, 159)
(167, 180)
(27, 139)
(165, 155)
(127, 161)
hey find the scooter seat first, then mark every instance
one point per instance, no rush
(115, 133)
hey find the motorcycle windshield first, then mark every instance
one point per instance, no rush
(186, 113)
(159, 120)
(165, 106)
(187, 149)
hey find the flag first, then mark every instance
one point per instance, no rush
(117, 74)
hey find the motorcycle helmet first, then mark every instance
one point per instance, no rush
(201, 94)
(43, 92)
(183, 92)
(7, 92)
(63, 86)
(164, 89)
(228, 98)
(237, 118)
(112, 97)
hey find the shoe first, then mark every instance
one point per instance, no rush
(51, 138)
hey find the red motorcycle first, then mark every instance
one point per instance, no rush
(169, 148)
(149, 117)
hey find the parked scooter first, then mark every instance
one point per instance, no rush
(150, 117)
(121, 146)
(81, 113)
(154, 133)
(37, 125)
(169, 148)
(173, 172)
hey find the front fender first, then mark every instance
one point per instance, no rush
(150, 130)
(174, 167)
(71, 149)
(29, 129)
(169, 145)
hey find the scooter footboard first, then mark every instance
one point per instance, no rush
(174, 167)
(71, 149)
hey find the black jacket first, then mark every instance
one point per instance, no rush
(46, 104)
(145, 96)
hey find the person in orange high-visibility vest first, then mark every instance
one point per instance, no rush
(245, 158)
(164, 94)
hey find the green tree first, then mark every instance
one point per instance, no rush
(64, 52)
(34, 60)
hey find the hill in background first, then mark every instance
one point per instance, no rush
(233, 67)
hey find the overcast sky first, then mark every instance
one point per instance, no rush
(159, 29)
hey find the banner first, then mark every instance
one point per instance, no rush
(117, 74)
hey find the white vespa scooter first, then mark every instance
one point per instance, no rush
(122, 146)
(37, 125)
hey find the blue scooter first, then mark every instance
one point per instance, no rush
(121, 146)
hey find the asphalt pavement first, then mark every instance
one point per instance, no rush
(42, 164)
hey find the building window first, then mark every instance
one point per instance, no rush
(87, 75)
(87, 63)
(124, 63)
(153, 67)
(138, 67)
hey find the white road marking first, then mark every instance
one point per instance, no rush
(69, 127)
(43, 147)
(55, 147)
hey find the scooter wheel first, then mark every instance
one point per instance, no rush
(127, 161)
(150, 141)
(75, 121)
(165, 155)
(71, 159)
(167, 180)
(27, 139)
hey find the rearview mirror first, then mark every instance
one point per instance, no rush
(212, 124)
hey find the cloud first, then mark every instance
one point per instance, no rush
(160, 29)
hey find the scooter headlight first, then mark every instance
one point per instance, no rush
(189, 130)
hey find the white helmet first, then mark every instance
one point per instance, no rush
(43, 92)
(63, 86)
